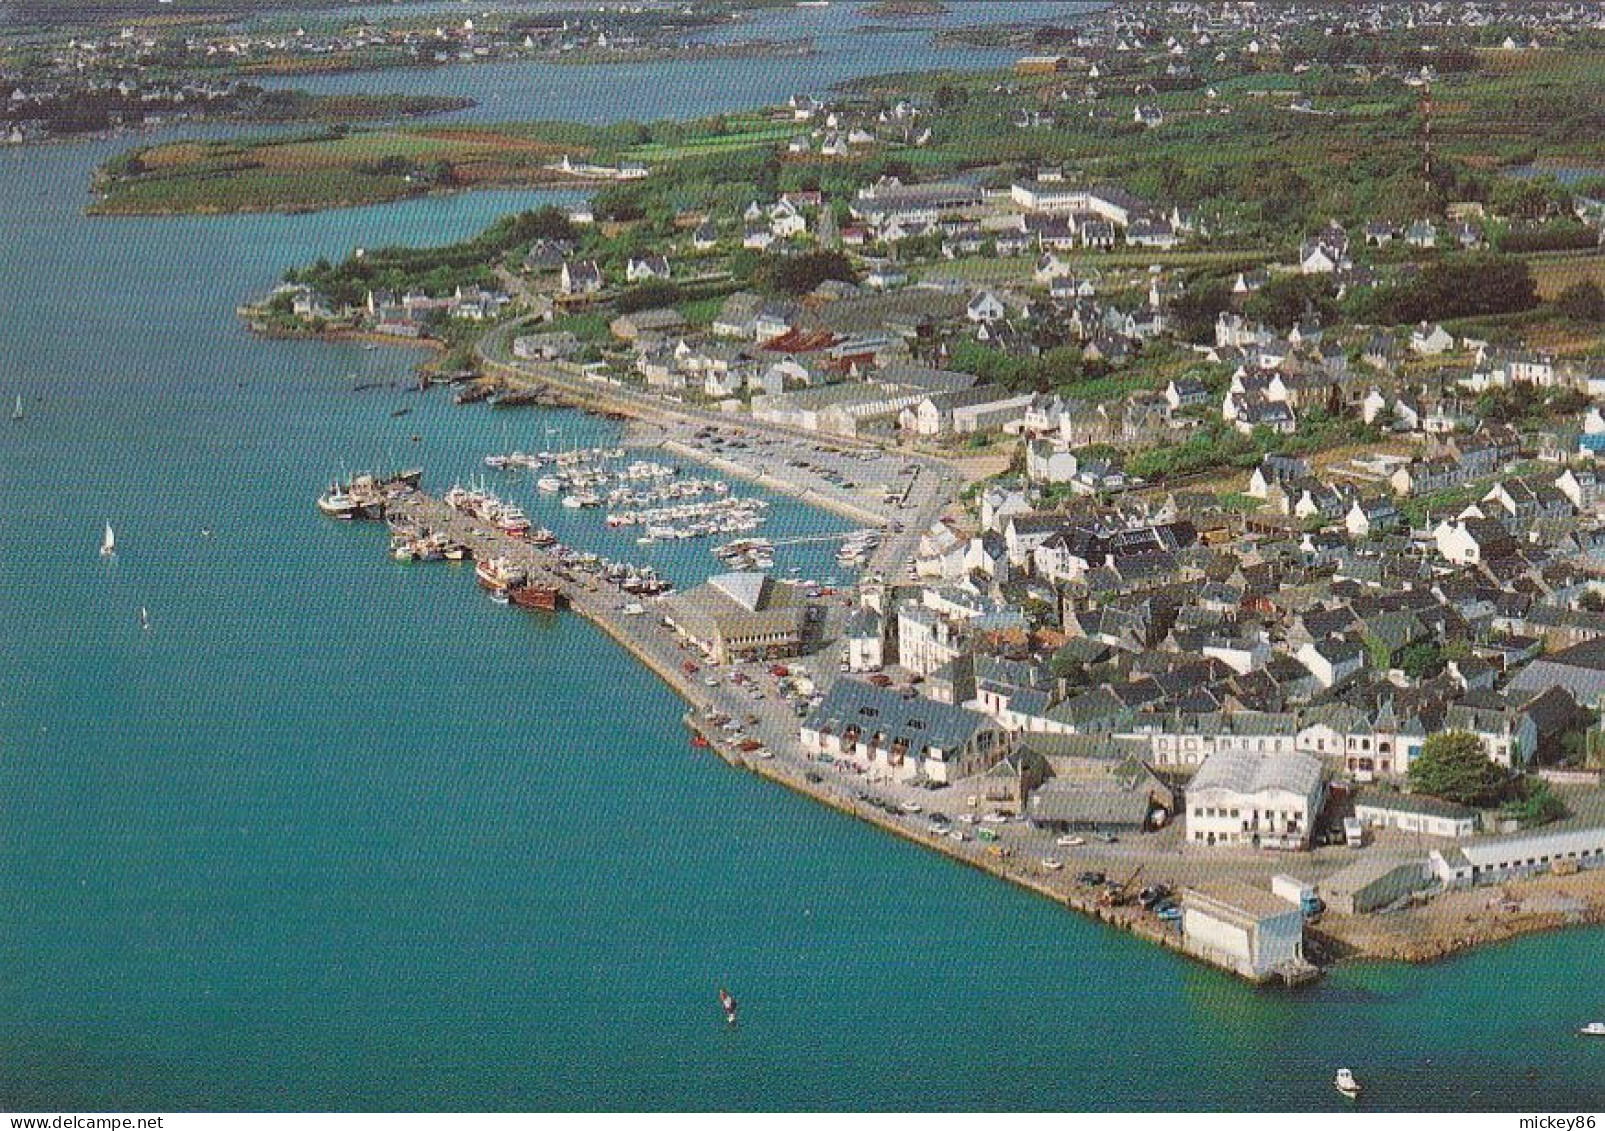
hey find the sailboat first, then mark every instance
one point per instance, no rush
(144, 618)
(108, 544)
(16, 413)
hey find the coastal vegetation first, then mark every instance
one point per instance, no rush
(333, 168)
(432, 270)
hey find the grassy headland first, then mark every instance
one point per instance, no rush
(345, 168)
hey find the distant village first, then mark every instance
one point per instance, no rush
(146, 75)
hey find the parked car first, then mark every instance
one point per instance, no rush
(1152, 896)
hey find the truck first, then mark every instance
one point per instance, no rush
(1300, 893)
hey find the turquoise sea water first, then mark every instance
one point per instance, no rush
(339, 833)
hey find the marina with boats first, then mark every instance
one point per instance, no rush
(515, 562)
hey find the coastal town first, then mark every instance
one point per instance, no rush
(546, 531)
(1244, 594)
(1232, 557)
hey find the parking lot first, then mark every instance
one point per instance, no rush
(870, 478)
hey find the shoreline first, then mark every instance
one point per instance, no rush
(99, 207)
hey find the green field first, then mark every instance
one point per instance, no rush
(702, 146)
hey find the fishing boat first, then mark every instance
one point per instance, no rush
(728, 1004)
(499, 575)
(512, 521)
(108, 543)
(1346, 1083)
(339, 503)
(546, 597)
(1592, 1029)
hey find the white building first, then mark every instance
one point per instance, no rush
(866, 643)
(1269, 800)
(1494, 861)
(1424, 815)
(908, 739)
(1251, 931)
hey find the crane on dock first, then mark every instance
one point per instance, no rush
(1116, 893)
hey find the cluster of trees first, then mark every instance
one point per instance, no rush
(394, 165)
(1345, 49)
(1219, 445)
(1454, 766)
(1467, 286)
(1551, 237)
(799, 274)
(1055, 367)
(1286, 300)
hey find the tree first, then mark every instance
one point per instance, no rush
(1194, 311)
(1582, 302)
(1421, 661)
(1067, 666)
(1454, 766)
(1286, 299)
(799, 274)
(1535, 804)
(648, 296)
